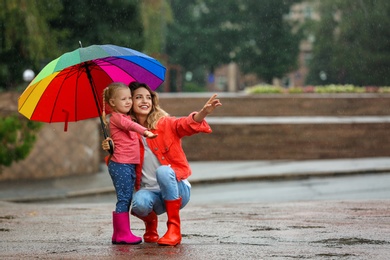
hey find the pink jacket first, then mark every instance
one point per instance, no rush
(167, 145)
(124, 135)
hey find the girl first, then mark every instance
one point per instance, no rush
(126, 155)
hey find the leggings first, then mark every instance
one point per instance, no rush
(123, 178)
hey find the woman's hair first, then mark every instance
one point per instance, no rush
(156, 112)
(109, 93)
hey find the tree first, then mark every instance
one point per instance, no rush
(100, 22)
(25, 38)
(252, 33)
(156, 15)
(270, 48)
(352, 43)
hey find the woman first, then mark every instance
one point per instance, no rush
(125, 158)
(161, 177)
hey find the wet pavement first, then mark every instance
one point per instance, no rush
(202, 172)
(304, 230)
(358, 229)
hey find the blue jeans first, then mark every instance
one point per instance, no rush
(123, 178)
(144, 201)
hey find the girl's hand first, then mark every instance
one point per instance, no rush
(106, 144)
(149, 134)
(208, 108)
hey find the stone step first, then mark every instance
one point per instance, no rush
(236, 104)
(290, 140)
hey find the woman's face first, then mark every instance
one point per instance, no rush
(142, 102)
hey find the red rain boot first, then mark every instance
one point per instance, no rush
(151, 235)
(173, 235)
(122, 232)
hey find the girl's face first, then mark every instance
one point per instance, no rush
(122, 102)
(142, 101)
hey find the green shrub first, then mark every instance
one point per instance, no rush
(384, 90)
(193, 87)
(295, 90)
(264, 89)
(267, 89)
(339, 89)
(17, 137)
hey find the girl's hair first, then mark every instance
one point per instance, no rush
(156, 113)
(108, 93)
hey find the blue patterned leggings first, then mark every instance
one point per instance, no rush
(123, 178)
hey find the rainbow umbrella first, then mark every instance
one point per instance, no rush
(70, 88)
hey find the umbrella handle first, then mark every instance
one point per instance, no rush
(111, 151)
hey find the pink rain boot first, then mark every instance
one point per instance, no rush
(122, 232)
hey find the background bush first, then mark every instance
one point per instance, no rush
(269, 89)
(17, 137)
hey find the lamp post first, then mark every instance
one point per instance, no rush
(28, 75)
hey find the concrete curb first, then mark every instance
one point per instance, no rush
(288, 176)
(110, 189)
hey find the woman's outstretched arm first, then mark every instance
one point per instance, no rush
(208, 108)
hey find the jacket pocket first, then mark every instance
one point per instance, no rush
(167, 146)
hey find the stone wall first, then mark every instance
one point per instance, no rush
(56, 153)
(288, 141)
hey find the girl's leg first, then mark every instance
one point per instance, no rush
(123, 178)
(171, 189)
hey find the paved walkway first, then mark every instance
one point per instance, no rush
(298, 230)
(203, 172)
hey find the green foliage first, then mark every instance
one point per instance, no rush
(250, 32)
(193, 87)
(384, 90)
(264, 89)
(17, 138)
(339, 89)
(268, 47)
(295, 90)
(25, 37)
(34, 32)
(322, 89)
(99, 22)
(352, 43)
(156, 16)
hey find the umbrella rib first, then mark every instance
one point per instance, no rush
(66, 75)
(110, 59)
(80, 71)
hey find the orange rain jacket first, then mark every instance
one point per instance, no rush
(167, 145)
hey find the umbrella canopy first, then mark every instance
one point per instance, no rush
(70, 88)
